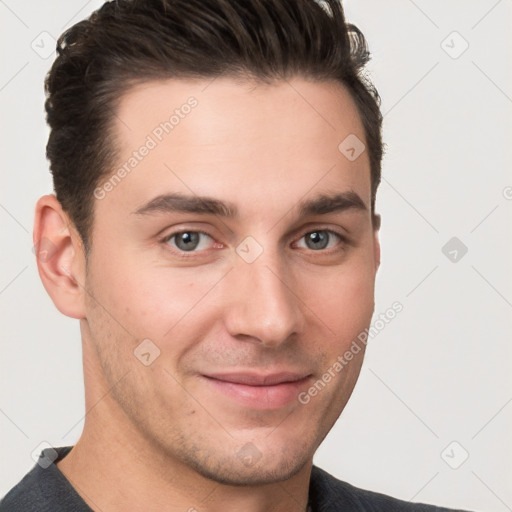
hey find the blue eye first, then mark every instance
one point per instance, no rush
(195, 242)
(188, 240)
(321, 239)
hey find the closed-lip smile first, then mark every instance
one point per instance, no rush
(271, 390)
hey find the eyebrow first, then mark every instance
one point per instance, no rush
(320, 205)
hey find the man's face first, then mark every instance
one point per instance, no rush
(247, 310)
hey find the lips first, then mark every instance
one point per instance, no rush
(254, 379)
(259, 391)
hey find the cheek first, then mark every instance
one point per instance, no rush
(343, 299)
(172, 307)
(149, 296)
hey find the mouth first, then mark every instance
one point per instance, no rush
(259, 391)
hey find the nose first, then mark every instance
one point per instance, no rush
(264, 307)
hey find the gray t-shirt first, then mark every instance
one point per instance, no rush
(45, 489)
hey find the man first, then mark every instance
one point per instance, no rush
(215, 165)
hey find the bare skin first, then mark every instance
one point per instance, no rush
(213, 423)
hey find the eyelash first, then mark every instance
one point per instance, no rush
(194, 254)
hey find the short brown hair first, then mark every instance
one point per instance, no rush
(132, 41)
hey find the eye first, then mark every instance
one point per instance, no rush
(188, 241)
(321, 239)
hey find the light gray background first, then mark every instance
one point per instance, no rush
(441, 370)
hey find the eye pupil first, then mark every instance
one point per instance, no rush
(187, 241)
(319, 239)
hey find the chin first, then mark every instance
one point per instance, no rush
(237, 472)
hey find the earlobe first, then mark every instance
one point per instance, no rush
(59, 256)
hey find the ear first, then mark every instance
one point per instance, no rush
(60, 257)
(376, 242)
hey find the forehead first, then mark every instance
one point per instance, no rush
(240, 108)
(237, 140)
